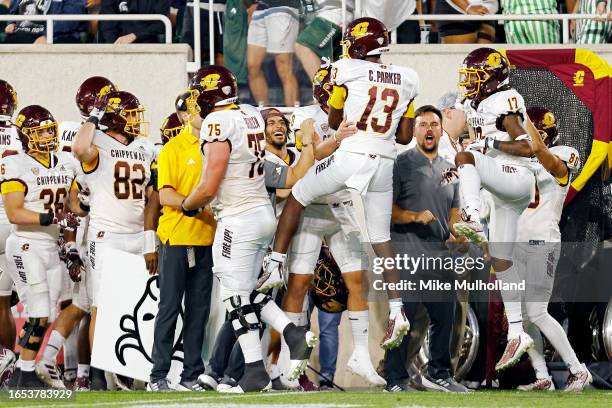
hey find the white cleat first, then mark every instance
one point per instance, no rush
(579, 381)
(397, 328)
(361, 365)
(7, 364)
(515, 348)
(472, 230)
(272, 276)
(541, 384)
(49, 374)
(238, 389)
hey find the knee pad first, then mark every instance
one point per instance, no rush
(32, 334)
(239, 308)
(260, 300)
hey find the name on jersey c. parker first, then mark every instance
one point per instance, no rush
(393, 78)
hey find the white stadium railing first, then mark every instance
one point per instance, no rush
(50, 18)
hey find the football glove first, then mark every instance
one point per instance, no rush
(449, 176)
(73, 261)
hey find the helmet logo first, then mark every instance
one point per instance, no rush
(494, 60)
(210, 82)
(19, 120)
(105, 90)
(579, 78)
(114, 103)
(321, 74)
(360, 30)
(549, 120)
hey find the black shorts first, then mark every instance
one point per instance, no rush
(446, 28)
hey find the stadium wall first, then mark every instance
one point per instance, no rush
(437, 65)
(49, 75)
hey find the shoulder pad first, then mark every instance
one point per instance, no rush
(569, 155)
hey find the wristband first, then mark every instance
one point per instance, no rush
(84, 207)
(45, 219)
(93, 120)
(496, 144)
(189, 213)
(149, 242)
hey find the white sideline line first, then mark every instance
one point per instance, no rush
(183, 400)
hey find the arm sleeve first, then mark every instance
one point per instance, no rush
(275, 175)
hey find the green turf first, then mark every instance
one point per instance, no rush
(331, 399)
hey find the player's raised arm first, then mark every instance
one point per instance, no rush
(82, 145)
(552, 163)
(405, 128)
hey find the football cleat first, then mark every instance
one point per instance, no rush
(542, 384)
(300, 341)
(49, 374)
(272, 276)
(515, 348)
(397, 328)
(254, 379)
(7, 364)
(81, 384)
(472, 230)
(209, 381)
(579, 381)
(29, 379)
(226, 383)
(361, 365)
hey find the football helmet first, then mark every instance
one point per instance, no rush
(364, 37)
(37, 129)
(124, 114)
(322, 86)
(8, 101)
(483, 71)
(171, 127)
(329, 292)
(211, 86)
(90, 89)
(546, 123)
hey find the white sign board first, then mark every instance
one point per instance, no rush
(125, 320)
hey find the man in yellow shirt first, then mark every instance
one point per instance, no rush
(185, 258)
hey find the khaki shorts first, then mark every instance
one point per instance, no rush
(274, 29)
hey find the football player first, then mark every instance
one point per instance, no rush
(117, 163)
(9, 145)
(233, 176)
(67, 323)
(495, 112)
(35, 185)
(378, 99)
(539, 236)
(330, 218)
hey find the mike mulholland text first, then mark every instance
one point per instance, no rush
(438, 285)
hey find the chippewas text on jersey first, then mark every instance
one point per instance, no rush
(243, 186)
(46, 188)
(117, 182)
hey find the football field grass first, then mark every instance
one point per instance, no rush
(326, 400)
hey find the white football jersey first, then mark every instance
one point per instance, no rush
(117, 185)
(9, 145)
(377, 97)
(485, 121)
(46, 188)
(540, 221)
(243, 186)
(67, 132)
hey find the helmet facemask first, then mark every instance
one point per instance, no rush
(472, 81)
(135, 124)
(42, 138)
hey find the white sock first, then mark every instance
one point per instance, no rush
(535, 353)
(512, 302)
(83, 370)
(55, 343)
(251, 346)
(557, 337)
(299, 319)
(359, 327)
(469, 190)
(273, 315)
(71, 354)
(26, 365)
(278, 257)
(395, 305)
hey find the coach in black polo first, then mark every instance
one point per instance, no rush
(422, 213)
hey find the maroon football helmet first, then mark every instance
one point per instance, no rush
(91, 89)
(124, 114)
(482, 72)
(8, 100)
(37, 129)
(364, 37)
(171, 127)
(322, 86)
(329, 292)
(546, 123)
(211, 86)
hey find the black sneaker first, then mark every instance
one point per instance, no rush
(398, 388)
(29, 379)
(192, 385)
(13, 380)
(326, 385)
(255, 378)
(443, 384)
(226, 383)
(159, 386)
(98, 380)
